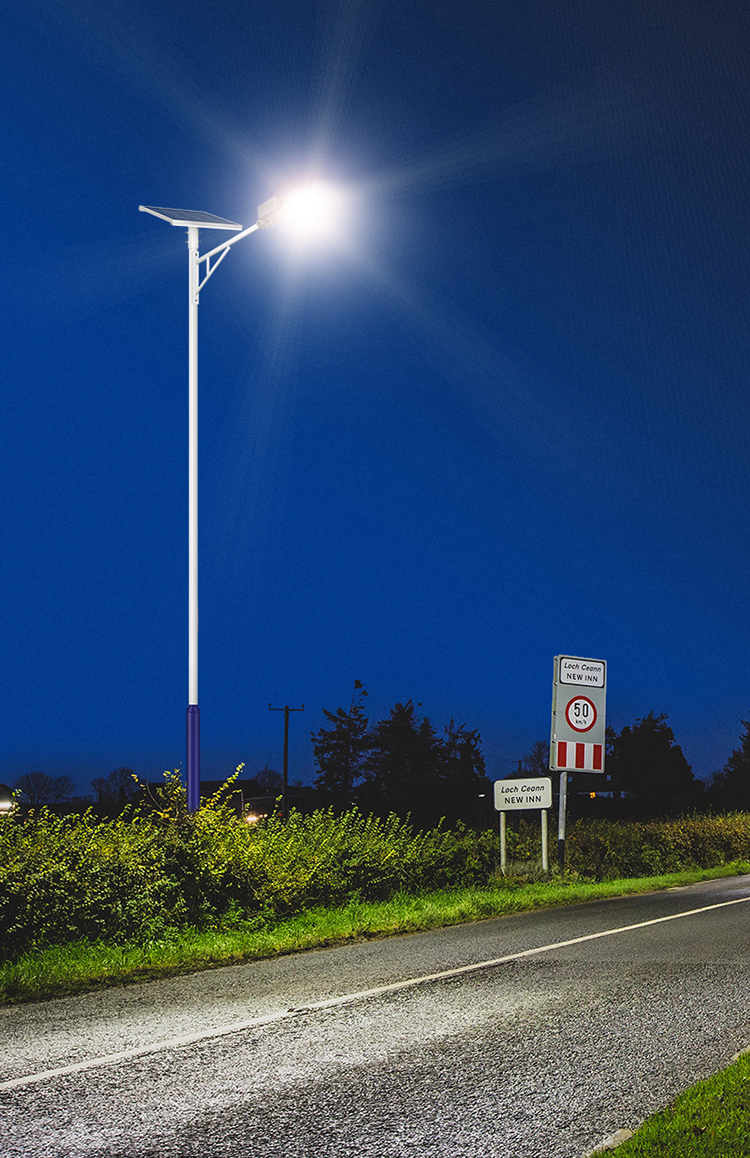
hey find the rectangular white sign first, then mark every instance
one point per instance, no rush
(586, 672)
(579, 706)
(523, 793)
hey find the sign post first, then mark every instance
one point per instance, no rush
(514, 795)
(578, 736)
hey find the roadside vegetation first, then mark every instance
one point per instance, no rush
(85, 902)
(710, 1120)
(85, 964)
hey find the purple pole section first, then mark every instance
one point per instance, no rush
(193, 758)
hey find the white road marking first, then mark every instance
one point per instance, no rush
(611, 1143)
(346, 999)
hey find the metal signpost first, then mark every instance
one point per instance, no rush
(577, 740)
(513, 795)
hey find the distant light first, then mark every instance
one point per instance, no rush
(254, 817)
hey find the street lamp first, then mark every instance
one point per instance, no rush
(193, 221)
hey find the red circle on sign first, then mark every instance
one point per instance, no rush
(581, 714)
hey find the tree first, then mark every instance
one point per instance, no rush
(535, 762)
(120, 787)
(730, 788)
(339, 751)
(463, 788)
(401, 766)
(268, 780)
(38, 788)
(645, 760)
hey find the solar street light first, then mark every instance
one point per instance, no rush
(193, 221)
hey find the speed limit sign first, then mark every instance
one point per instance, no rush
(580, 713)
(579, 696)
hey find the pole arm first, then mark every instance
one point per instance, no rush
(222, 250)
(232, 241)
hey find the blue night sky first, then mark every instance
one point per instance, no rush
(501, 413)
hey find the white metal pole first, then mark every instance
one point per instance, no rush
(180, 217)
(545, 853)
(561, 820)
(193, 714)
(503, 850)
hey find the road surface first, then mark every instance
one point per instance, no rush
(533, 1036)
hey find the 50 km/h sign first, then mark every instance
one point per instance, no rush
(580, 712)
(579, 694)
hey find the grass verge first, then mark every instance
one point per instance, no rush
(710, 1120)
(73, 968)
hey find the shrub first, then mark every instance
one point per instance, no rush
(148, 872)
(600, 849)
(67, 877)
(62, 879)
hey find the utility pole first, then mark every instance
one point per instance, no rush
(286, 710)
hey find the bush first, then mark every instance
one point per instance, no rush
(67, 878)
(600, 849)
(607, 849)
(62, 878)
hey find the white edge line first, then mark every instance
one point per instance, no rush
(331, 1002)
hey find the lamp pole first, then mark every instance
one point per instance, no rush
(193, 711)
(194, 221)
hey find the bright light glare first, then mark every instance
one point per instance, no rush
(314, 211)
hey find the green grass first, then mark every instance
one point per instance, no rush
(73, 968)
(710, 1120)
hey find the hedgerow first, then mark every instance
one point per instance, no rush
(609, 849)
(73, 877)
(64, 879)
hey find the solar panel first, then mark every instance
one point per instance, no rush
(186, 217)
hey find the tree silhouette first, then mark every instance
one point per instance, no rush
(119, 788)
(535, 762)
(730, 788)
(268, 780)
(38, 788)
(463, 789)
(339, 751)
(645, 760)
(401, 766)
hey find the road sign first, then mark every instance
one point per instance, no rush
(574, 670)
(522, 793)
(580, 712)
(578, 716)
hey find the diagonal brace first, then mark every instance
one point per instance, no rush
(210, 268)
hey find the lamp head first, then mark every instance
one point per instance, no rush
(310, 212)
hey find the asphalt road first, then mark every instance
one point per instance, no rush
(540, 1055)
